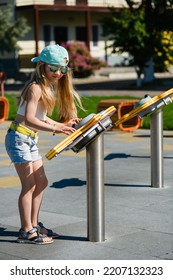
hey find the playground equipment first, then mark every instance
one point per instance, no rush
(153, 107)
(4, 105)
(132, 124)
(123, 106)
(86, 131)
(89, 134)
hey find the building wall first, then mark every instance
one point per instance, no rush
(71, 21)
(98, 3)
(57, 19)
(68, 19)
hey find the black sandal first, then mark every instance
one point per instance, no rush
(49, 233)
(24, 237)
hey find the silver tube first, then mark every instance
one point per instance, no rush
(95, 190)
(157, 149)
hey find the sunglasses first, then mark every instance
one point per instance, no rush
(62, 69)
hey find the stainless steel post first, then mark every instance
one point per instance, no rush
(157, 149)
(95, 190)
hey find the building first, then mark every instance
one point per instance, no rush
(57, 21)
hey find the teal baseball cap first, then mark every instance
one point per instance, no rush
(53, 54)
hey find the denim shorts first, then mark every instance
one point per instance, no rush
(21, 148)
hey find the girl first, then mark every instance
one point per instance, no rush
(50, 84)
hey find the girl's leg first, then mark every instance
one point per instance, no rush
(31, 194)
(25, 173)
(41, 183)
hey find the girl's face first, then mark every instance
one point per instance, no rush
(55, 73)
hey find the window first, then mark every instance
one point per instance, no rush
(81, 34)
(60, 2)
(95, 35)
(81, 2)
(47, 34)
(60, 34)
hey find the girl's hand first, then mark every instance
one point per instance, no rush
(73, 122)
(61, 128)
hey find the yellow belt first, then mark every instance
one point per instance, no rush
(24, 130)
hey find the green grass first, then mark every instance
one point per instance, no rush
(90, 103)
(13, 101)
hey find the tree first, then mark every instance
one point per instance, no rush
(164, 59)
(138, 30)
(11, 30)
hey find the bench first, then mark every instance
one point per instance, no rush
(123, 107)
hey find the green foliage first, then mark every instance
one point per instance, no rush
(12, 100)
(167, 117)
(138, 29)
(81, 61)
(11, 30)
(164, 57)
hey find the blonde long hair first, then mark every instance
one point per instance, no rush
(61, 94)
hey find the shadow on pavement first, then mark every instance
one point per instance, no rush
(159, 84)
(126, 185)
(72, 182)
(121, 155)
(72, 238)
(5, 232)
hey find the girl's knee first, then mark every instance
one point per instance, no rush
(42, 184)
(45, 182)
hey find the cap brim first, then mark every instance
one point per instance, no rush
(35, 59)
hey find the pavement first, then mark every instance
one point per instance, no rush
(112, 82)
(138, 217)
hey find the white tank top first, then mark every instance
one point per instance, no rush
(40, 113)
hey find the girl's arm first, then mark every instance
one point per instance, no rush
(69, 123)
(33, 97)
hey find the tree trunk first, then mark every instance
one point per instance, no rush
(149, 71)
(139, 78)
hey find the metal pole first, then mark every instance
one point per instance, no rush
(95, 190)
(157, 149)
